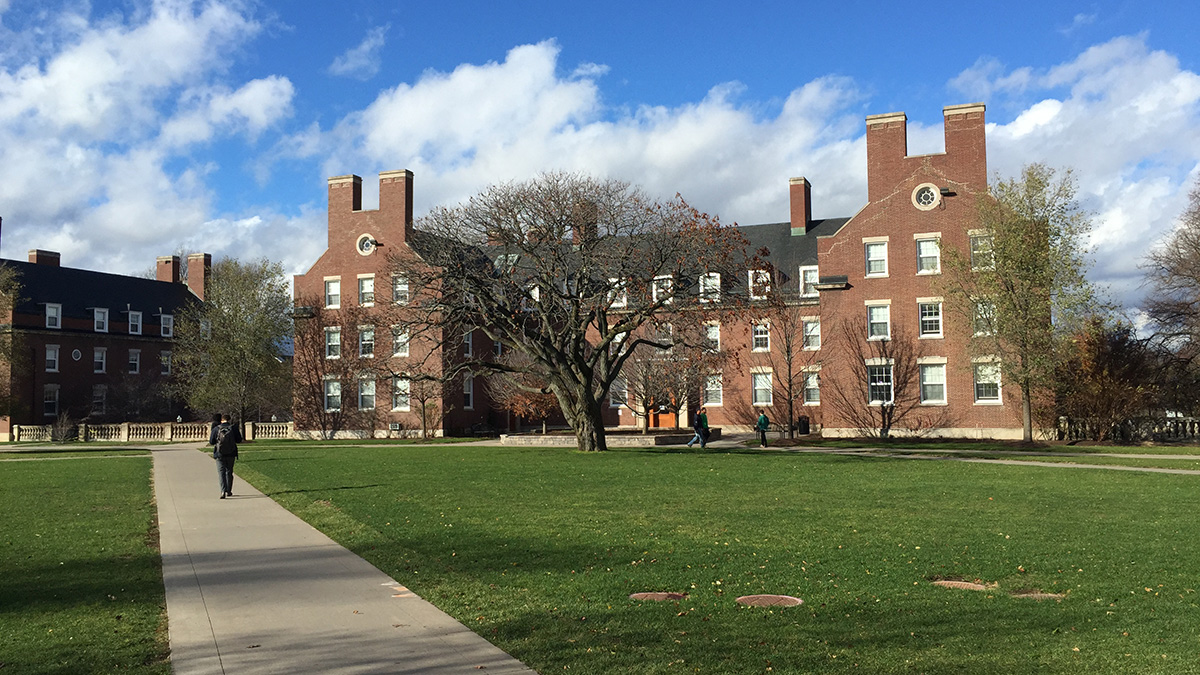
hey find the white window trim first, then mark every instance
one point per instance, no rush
(363, 382)
(881, 362)
(57, 357)
(810, 370)
(759, 279)
(867, 260)
(329, 379)
(326, 294)
(469, 389)
(135, 361)
(407, 389)
(987, 360)
(921, 335)
(763, 324)
(397, 334)
(400, 281)
(135, 319)
(620, 386)
(167, 323)
(717, 325)
(469, 343)
(815, 292)
(710, 296)
(362, 331)
(763, 370)
(921, 363)
(667, 288)
(361, 279)
(618, 293)
(54, 311)
(330, 330)
(720, 390)
(936, 238)
(100, 357)
(100, 319)
(879, 303)
(805, 321)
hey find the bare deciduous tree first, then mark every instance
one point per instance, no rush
(555, 269)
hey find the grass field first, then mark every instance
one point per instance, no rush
(82, 585)
(538, 549)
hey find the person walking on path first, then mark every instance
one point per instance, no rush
(224, 439)
(700, 426)
(761, 426)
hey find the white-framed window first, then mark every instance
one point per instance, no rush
(400, 292)
(366, 290)
(987, 382)
(712, 337)
(812, 387)
(760, 284)
(710, 287)
(51, 358)
(531, 299)
(399, 341)
(760, 337)
(164, 359)
(879, 322)
(168, 325)
(401, 394)
(930, 313)
(812, 333)
(135, 323)
(618, 393)
(469, 343)
(762, 393)
(135, 361)
(366, 393)
(809, 276)
(877, 258)
(618, 293)
(333, 293)
(929, 256)
(880, 389)
(333, 394)
(982, 255)
(933, 383)
(100, 319)
(713, 390)
(100, 360)
(50, 400)
(468, 392)
(53, 315)
(366, 342)
(662, 289)
(333, 342)
(983, 317)
(99, 399)
(614, 347)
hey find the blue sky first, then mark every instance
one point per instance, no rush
(132, 129)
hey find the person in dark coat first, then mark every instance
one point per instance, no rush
(700, 426)
(762, 425)
(224, 439)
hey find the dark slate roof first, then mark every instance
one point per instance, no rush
(80, 290)
(789, 252)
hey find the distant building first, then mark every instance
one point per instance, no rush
(94, 346)
(874, 271)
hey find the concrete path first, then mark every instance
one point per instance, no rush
(252, 589)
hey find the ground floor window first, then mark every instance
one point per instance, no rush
(933, 383)
(366, 394)
(401, 394)
(618, 394)
(50, 400)
(761, 386)
(987, 383)
(333, 395)
(879, 384)
(99, 399)
(713, 390)
(812, 388)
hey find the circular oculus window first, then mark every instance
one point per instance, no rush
(366, 245)
(76, 355)
(926, 196)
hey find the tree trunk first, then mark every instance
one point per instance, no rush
(589, 435)
(1026, 415)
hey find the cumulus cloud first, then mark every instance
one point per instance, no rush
(361, 62)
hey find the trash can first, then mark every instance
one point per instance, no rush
(802, 425)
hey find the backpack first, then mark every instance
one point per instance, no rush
(226, 441)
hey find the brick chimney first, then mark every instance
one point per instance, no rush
(396, 196)
(887, 146)
(168, 268)
(345, 193)
(966, 145)
(39, 257)
(199, 266)
(800, 193)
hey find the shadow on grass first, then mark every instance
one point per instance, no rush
(324, 489)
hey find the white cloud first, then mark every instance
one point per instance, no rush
(361, 62)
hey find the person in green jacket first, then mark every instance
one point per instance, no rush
(700, 426)
(762, 425)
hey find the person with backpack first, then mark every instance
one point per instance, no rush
(224, 439)
(762, 425)
(700, 426)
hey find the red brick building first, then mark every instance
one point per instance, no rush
(91, 345)
(866, 280)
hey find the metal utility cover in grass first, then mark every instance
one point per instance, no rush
(769, 601)
(659, 596)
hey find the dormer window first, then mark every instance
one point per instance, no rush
(135, 323)
(662, 288)
(760, 284)
(168, 325)
(809, 276)
(53, 315)
(710, 287)
(100, 319)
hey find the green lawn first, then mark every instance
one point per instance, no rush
(82, 585)
(537, 550)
